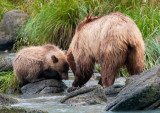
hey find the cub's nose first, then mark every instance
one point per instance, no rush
(65, 76)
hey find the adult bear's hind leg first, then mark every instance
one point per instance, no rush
(111, 62)
(135, 60)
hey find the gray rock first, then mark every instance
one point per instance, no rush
(86, 96)
(48, 90)
(112, 91)
(96, 76)
(10, 23)
(142, 92)
(6, 61)
(119, 82)
(5, 64)
(44, 87)
(6, 41)
(5, 100)
(10, 109)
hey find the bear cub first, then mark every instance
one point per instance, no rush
(36, 63)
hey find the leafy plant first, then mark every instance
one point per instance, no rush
(8, 82)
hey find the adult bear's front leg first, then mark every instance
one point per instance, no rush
(84, 71)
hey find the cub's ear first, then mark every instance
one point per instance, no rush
(54, 59)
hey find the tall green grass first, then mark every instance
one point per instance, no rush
(152, 55)
(56, 23)
(4, 7)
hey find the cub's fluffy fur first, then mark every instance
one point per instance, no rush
(42, 62)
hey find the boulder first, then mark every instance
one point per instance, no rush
(6, 41)
(5, 64)
(112, 90)
(118, 85)
(5, 100)
(10, 23)
(44, 87)
(10, 109)
(142, 92)
(86, 96)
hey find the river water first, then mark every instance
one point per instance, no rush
(51, 103)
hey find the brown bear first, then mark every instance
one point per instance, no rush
(33, 64)
(113, 41)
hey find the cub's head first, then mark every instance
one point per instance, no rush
(59, 63)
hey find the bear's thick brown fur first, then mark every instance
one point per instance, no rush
(42, 62)
(113, 41)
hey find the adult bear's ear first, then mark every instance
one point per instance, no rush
(54, 59)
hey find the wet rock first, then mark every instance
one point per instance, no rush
(119, 82)
(141, 92)
(86, 96)
(10, 23)
(5, 100)
(131, 78)
(96, 76)
(112, 90)
(10, 109)
(44, 87)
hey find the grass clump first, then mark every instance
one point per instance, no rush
(54, 23)
(4, 7)
(8, 82)
(152, 56)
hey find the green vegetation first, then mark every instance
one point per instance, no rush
(152, 56)
(8, 82)
(55, 21)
